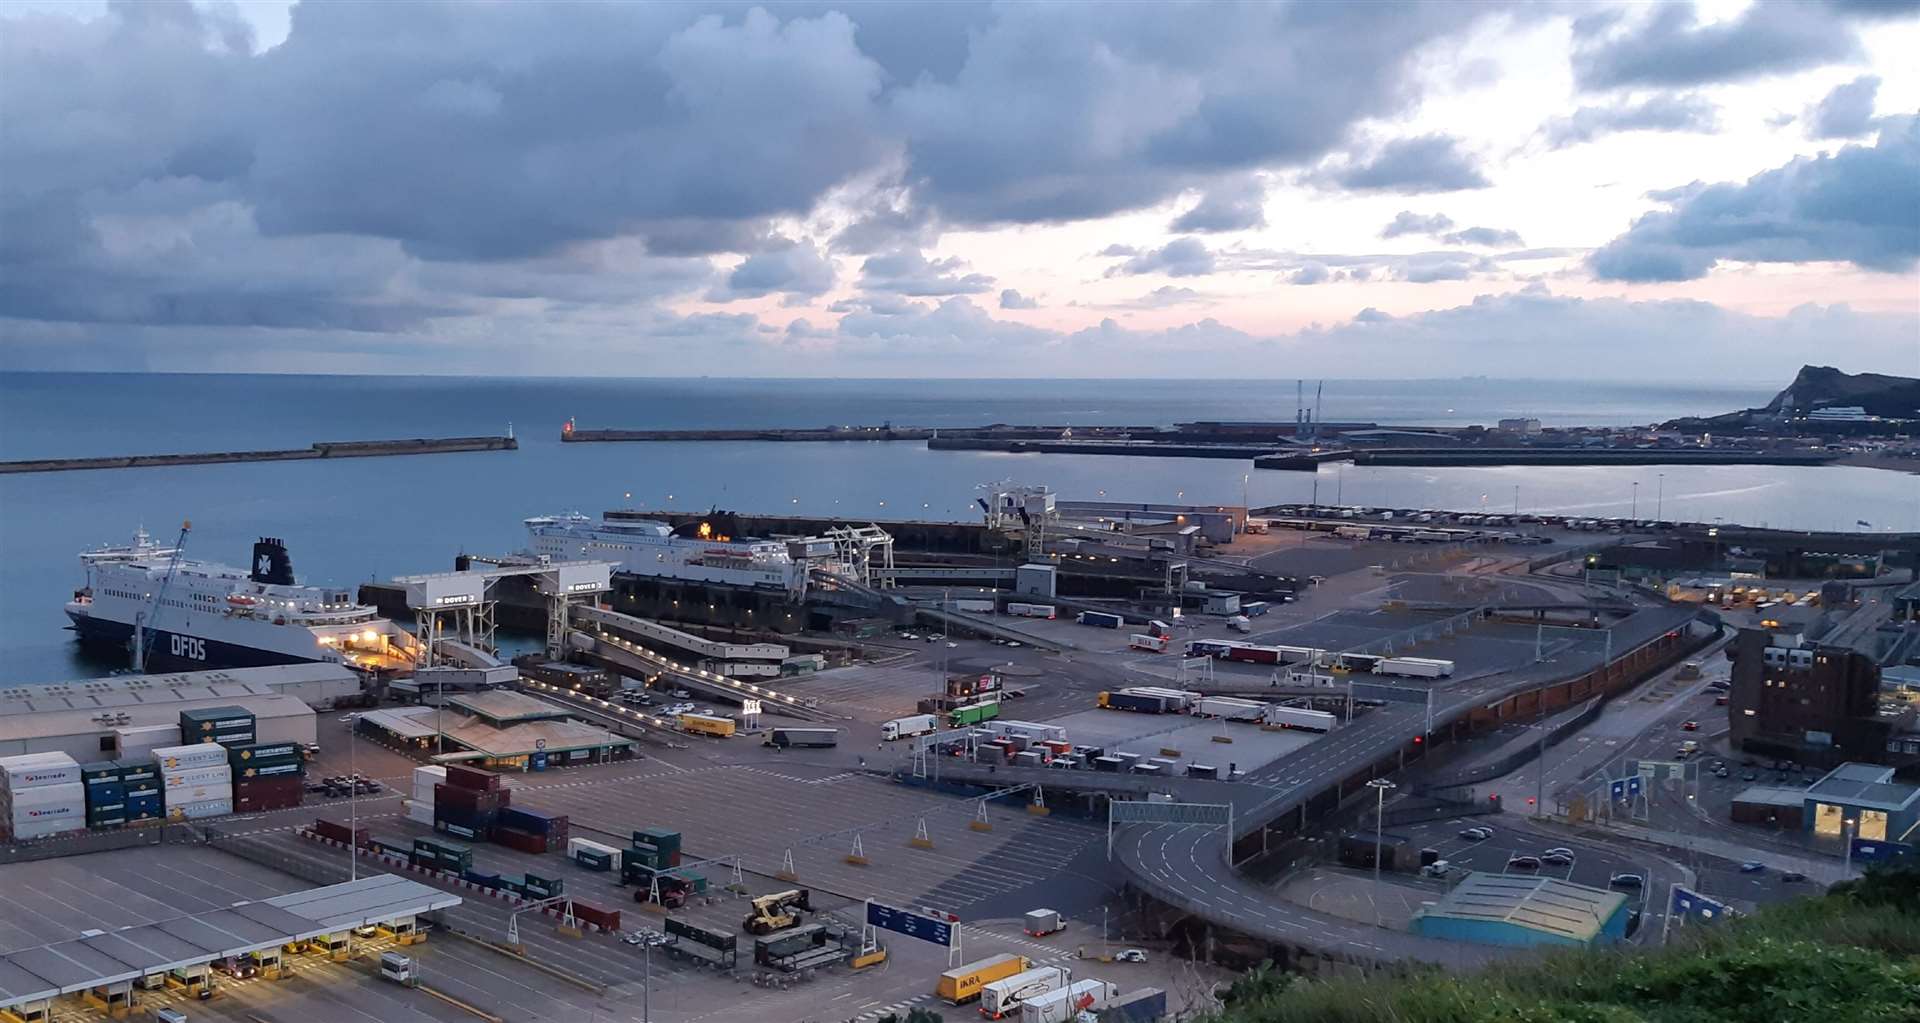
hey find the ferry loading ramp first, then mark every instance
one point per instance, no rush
(107, 958)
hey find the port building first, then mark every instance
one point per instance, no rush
(1525, 911)
(1863, 801)
(101, 719)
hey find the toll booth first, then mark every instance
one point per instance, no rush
(191, 979)
(268, 962)
(36, 1011)
(112, 999)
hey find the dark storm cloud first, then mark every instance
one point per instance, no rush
(1181, 257)
(790, 268)
(1411, 166)
(1668, 46)
(1859, 205)
(1408, 222)
(1846, 112)
(910, 272)
(1661, 112)
(1234, 206)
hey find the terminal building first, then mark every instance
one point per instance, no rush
(497, 729)
(1802, 701)
(1525, 911)
(92, 720)
(1863, 801)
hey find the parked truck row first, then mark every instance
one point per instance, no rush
(1256, 653)
(1158, 700)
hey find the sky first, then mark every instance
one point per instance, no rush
(1672, 191)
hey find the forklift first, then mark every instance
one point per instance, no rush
(778, 911)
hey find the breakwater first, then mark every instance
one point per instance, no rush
(1541, 456)
(324, 449)
(885, 431)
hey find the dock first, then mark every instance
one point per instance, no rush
(324, 449)
(1541, 456)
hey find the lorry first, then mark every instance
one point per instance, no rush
(1066, 1004)
(1031, 610)
(707, 724)
(1229, 707)
(974, 606)
(1031, 730)
(1414, 667)
(1042, 922)
(1238, 623)
(1003, 997)
(962, 985)
(973, 713)
(593, 855)
(1183, 699)
(1301, 718)
(908, 727)
(1100, 619)
(1354, 532)
(802, 738)
(1138, 703)
(1141, 1005)
(1151, 644)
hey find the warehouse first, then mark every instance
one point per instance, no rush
(501, 708)
(1771, 805)
(1863, 801)
(533, 744)
(103, 732)
(1525, 911)
(320, 686)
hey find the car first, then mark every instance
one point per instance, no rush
(365, 931)
(953, 646)
(1013, 642)
(1750, 776)
(933, 639)
(680, 694)
(1721, 772)
(1438, 868)
(1689, 726)
(1720, 701)
(1753, 867)
(1130, 955)
(1626, 881)
(1793, 877)
(1558, 857)
(236, 968)
(1523, 863)
(1475, 834)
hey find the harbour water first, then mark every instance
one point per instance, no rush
(347, 521)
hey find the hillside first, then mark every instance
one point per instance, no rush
(1851, 955)
(1824, 386)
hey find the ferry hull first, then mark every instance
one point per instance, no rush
(169, 651)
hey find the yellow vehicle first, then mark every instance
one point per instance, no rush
(964, 984)
(778, 911)
(707, 724)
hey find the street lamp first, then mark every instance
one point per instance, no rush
(1380, 786)
(1846, 835)
(1634, 513)
(353, 795)
(1660, 498)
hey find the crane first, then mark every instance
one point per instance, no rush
(143, 622)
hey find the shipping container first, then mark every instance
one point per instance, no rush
(264, 752)
(593, 855)
(962, 985)
(1109, 764)
(338, 832)
(199, 809)
(200, 723)
(1066, 1004)
(1151, 644)
(1230, 708)
(294, 769)
(101, 792)
(1414, 667)
(1100, 619)
(798, 738)
(1178, 699)
(474, 778)
(189, 757)
(974, 606)
(902, 728)
(534, 821)
(1002, 997)
(707, 724)
(973, 713)
(1301, 718)
(1139, 703)
(453, 797)
(34, 770)
(521, 841)
(1031, 610)
(605, 919)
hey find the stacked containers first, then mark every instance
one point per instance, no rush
(136, 743)
(469, 804)
(420, 807)
(195, 780)
(530, 831)
(267, 775)
(227, 726)
(106, 794)
(433, 854)
(655, 847)
(146, 801)
(42, 794)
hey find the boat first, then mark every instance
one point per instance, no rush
(652, 548)
(217, 616)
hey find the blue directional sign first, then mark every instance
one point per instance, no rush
(911, 924)
(1689, 904)
(1624, 789)
(1868, 850)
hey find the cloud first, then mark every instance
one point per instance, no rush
(1846, 112)
(909, 272)
(1409, 222)
(1236, 206)
(1411, 166)
(1671, 47)
(1453, 267)
(1860, 205)
(1162, 298)
(1312, 273)
(1011, 299)
(1181, 257)
(793, 268)
(1660, 112)
(1485, 237)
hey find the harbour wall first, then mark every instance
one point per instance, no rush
(323, 449)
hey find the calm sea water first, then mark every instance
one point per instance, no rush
(357, 519)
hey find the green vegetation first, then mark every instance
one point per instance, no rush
(1852, 956)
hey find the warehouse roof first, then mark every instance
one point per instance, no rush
(97, 958)
(152, 708)
(503, 705)
(119, 690)
(1865, 785)
(407, 722)
(1772, 795)
(534, 736)
(1543, 904)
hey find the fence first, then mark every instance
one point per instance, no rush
(80, 843)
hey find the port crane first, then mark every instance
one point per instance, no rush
(143, 622)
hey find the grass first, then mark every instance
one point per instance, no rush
(1850, 956)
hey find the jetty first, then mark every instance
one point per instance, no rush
(323, 449)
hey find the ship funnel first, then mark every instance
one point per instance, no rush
(271, 564)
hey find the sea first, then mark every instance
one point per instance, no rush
(357, 519)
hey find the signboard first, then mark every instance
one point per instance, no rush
(909, 923)
(1869, 850)
(1623, 789)
(1688, 904)
(749, 707)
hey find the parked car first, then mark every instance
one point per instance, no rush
(1523, 863)
(680, 694)
(1793, 877)
(1626, 881)
(1753, 867)
(1750, 776)
(1558, 857)
(1130, 955)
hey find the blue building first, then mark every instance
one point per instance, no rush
(1525, 910)
(1863, 800)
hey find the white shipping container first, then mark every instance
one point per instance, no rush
(33, 770)
(1230, 708)
(181, 758)
(1033, 730)
(41, 828)
(196, 776)
(195, 811)
(1004, 996)
(1064, 1005)
(199, 793)
(419, 812)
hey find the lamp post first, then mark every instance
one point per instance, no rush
(1634, 512)
(1846, 835)
(353, 795)
(1660, 497)
(1380, 786)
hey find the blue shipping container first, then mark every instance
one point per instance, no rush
(529, 820)
(103, 793)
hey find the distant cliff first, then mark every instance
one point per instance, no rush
(1825, 387)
